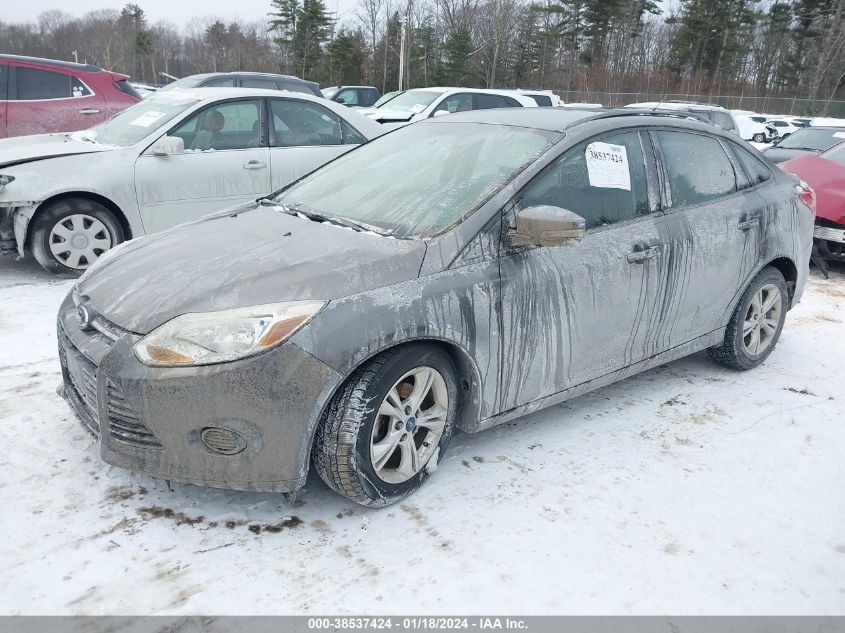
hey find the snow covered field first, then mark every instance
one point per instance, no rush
(688, 489)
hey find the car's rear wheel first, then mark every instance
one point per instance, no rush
(69, 235)
(756, 324)
(387, 427)
(759, 138)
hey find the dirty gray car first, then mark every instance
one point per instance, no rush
(454, 274)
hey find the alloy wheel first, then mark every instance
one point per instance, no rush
(409, 424)
(762, 320)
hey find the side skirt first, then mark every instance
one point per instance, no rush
(696, 345)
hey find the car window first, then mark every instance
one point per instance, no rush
(36, 84)
(221, 82)
(488, 102)
(349, 97)
(544, 101)
(811, 139)
(602, 192)
(223, 126)
(368, 97)
(293, 86)
(351, 136)
(256, 82)
(755, 169)
(724, 120)
(461, 102)
(778, 123)
(699, 170)
(4, 74)
(299, 123)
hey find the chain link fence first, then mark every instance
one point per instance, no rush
(792, 106)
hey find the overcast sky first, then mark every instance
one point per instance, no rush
(180, 12)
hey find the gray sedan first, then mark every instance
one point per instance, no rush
(454, 274)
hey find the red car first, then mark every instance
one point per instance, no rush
(825, 173)
(44, 95)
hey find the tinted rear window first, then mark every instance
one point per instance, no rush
(255, 82)
(699, 170)
(542, 100)
(125, 87)
(35, 84)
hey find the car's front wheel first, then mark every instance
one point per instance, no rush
(70, 234)
(759, 138)
(388, 426)
(756, 324)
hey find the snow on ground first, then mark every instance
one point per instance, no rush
(687, 489)
(759, 146)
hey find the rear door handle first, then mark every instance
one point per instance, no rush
(644, 254)
(255, 164)
(89, 111)
(748, 223)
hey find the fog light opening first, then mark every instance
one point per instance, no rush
(222, 441)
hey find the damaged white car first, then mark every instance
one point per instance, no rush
(174, 157)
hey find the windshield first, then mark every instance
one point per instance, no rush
(419, 180)
(837, 152)
(385, 98)
(411, 101)
(133, 124)
(808, 138)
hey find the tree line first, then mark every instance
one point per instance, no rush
(751, 47)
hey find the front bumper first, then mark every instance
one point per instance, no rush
(151, 420)
(829, 242)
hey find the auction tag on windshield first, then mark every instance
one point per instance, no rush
(147, 119)
(607, 166)
(839, 135)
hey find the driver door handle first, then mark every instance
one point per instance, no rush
(255, 164)
(637, 256)
(89, 111)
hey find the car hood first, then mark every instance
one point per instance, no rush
(242, 258)
(780, 154)
(827, 178)
(25, 149)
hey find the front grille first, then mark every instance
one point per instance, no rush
(124, 424)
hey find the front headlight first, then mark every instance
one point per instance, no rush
(217, 337)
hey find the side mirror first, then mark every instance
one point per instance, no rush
(340, 100)
(167, 145)
(547, 226)
(441, 113)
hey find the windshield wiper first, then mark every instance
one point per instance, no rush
(293, 209)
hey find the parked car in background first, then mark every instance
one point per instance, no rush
(454, 274)
(754, 128)
(825, 173)
(175, 156)
(783, 126)
(543, 98)
(712, 113)
(421, 103)
(353, 96)
(266, 81)
(39, 96)
(810, 140)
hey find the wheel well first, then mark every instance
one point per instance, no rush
(789, 271)
(87, 195)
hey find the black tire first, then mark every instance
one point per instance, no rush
(732, 352)
(759, 138)
(54, 213)
(341, 451)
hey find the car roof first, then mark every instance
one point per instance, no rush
(58, 63)
(230, 93)
(559, 119)
(675, 105)
(243, 72)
